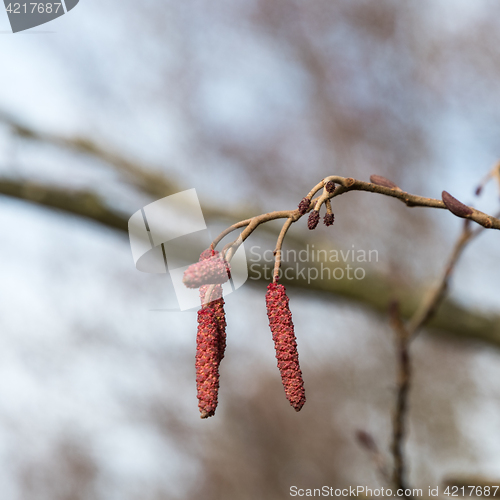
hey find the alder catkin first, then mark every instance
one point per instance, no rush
(313, 219)
(211, 271)
(304, 205)
(206, 254)
(329, 219)
(207, 362)
(287, 356)
(216, 302)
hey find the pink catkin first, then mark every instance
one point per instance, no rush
(207, 362)
(280, 321)
(216, 303)
(206, 254)
(210, 344)
(211, 271)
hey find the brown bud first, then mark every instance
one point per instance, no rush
(382, 181)
(313, 219)
(287, 356)
(454, 206)
(304, 205)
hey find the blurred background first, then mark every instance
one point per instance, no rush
(251, 102)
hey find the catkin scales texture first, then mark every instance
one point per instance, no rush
(216, 303)
(207, 362)
(329, 219)
(287, 356)
(211, 271)
(210, 343)
(313, 219)
(304, 205)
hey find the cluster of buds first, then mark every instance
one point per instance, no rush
(313, 219)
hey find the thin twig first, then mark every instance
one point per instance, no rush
(230, 249)
(403, 387)
(367, 441)
(411, 200)
(279, 244)
(229, 230)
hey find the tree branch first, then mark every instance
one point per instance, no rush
(374, 291)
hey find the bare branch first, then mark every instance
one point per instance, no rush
(82, 203)
(374, 292)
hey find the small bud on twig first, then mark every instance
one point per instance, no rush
(454, 206)
(382, 181)
(313, 220)
(330, 186)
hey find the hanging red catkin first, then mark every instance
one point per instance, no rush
(280, 321)
(216, 302)
(207, 362)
